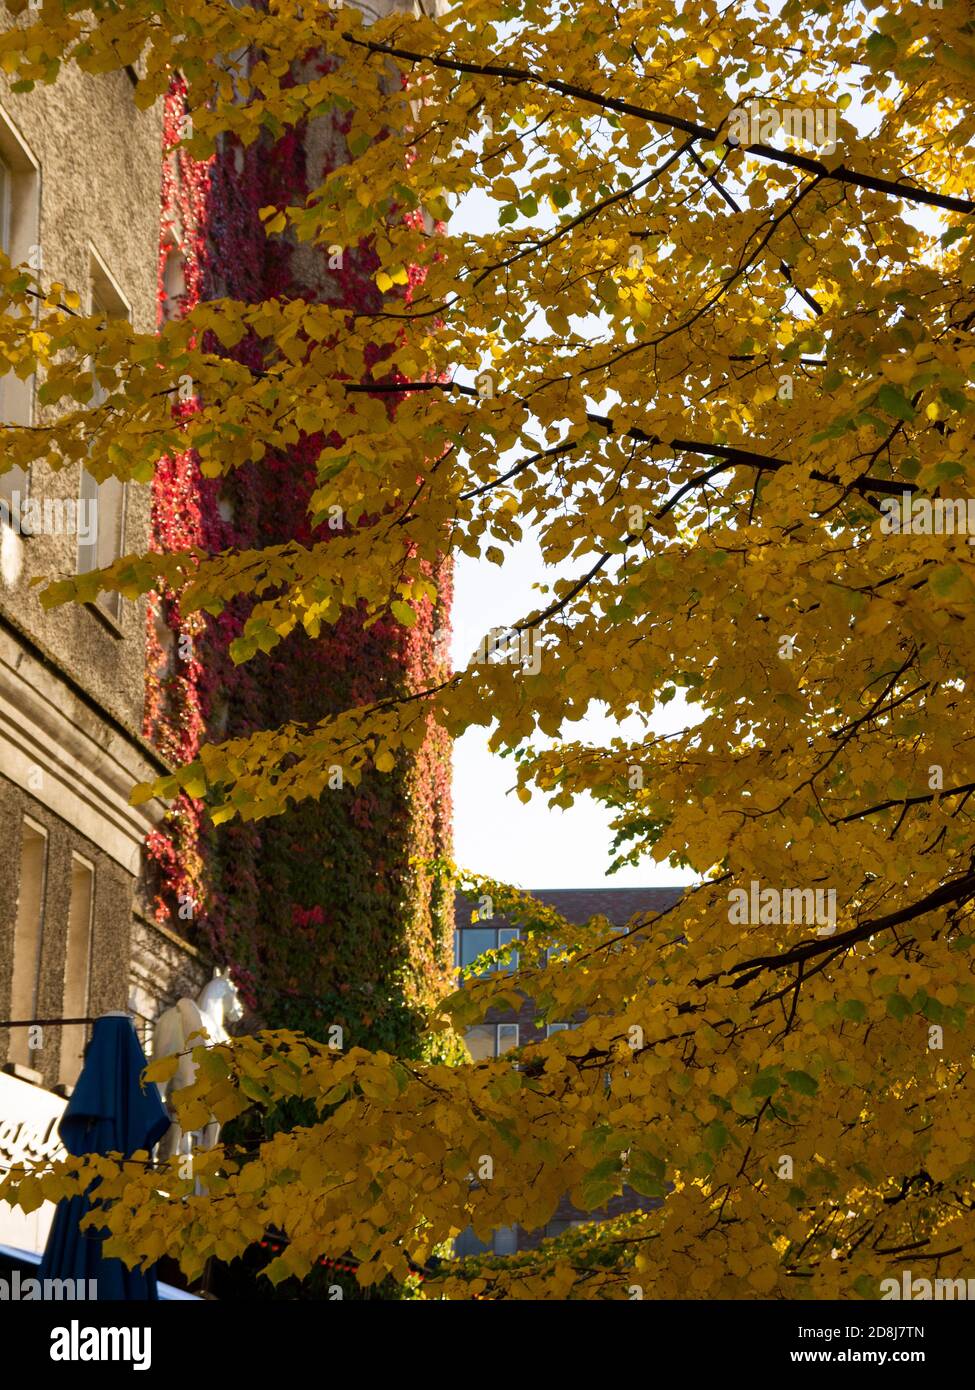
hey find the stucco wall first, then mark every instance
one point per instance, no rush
(71, 681)
(100, 161)
(111, 923)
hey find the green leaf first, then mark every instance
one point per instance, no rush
(646, 1185)
(801, 1081)
(945, 578)
(892, 401)
(954, 234)
(601, 1183)
(954, 398)
(403, 612)
(897, 1006)
(648, 1164)
(854, 1009)
(881, 50)
(944, 472)
(715, 1137)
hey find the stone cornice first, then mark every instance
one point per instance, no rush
(73, 760)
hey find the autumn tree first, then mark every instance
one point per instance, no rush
(713, 346)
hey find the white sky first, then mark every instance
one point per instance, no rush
(530, 845)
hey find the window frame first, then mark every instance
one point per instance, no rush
(106, 297)
(18, 1047)
(496, 1035)
(76, 1006)
(21, 232)
(509, 933)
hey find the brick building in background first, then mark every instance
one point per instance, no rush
(508, 1029)
(322, 913)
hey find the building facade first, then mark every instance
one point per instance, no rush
(506, 1029)
(95, 699)
(326, 914)
(79, 204)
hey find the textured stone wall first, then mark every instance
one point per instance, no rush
(72, 680)
(111, 924)
(99, 161)
(163, 968)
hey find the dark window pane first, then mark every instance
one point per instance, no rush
(467, 1243)
(505, 935)
(506, 1240)
(474, 941)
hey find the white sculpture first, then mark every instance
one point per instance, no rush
(217, 1004)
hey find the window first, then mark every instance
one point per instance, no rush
(174, 283)
(104, 501)
(470, 942)
(77, 967)
(467, 1243)
(20, 209)
(506, 935)
(481, 1041)
(559, 1227)
(491, 1039)
(555, 1028)
(28, 929)
(506, 1240)
(503, 1242)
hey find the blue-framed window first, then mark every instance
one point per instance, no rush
(471, 942)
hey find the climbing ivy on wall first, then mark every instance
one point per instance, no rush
(328, 913)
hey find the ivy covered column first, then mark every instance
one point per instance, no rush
(325, 913)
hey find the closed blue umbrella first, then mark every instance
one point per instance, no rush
(109, 1112)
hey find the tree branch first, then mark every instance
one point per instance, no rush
(893, 188)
